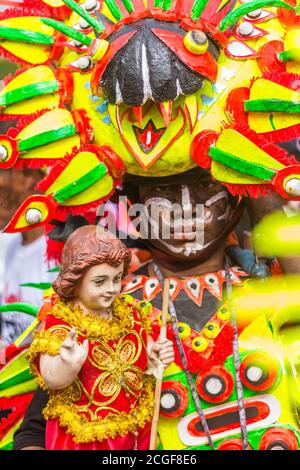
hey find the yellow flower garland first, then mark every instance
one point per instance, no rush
(95, 327)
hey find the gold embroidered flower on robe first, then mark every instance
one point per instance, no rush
(117, 366)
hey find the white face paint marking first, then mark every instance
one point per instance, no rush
(208, 217)
(189, 247)
(158, 201)
(187, 209)
(215, 198)
(185, 193)
(225, 215)
(192, 248)
(162, 203)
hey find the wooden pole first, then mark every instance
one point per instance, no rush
(160, 373)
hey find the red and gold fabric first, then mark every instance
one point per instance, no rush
(112, 398)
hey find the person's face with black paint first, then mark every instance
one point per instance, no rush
(210, 218)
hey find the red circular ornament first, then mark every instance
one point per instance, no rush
(9, 147)
(278, 439)
(232, 444)
(49, 208)
(200, 147)
(280, 178)
(216, 385)
(259, 371)
(178, 399)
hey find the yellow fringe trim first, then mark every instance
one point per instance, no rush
(95, 327)
(111, 426)
(44, 342)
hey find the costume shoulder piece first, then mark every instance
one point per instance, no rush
(148, 88)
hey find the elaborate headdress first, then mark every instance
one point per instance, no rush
(151, 88)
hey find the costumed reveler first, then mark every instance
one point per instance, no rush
(228, 388)
(155, 89)
(198, 292)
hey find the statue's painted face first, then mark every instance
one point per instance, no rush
(100, 286)
(207, 211)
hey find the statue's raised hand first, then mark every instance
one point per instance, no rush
(72, 353)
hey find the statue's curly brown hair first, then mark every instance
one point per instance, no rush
(86, 247)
